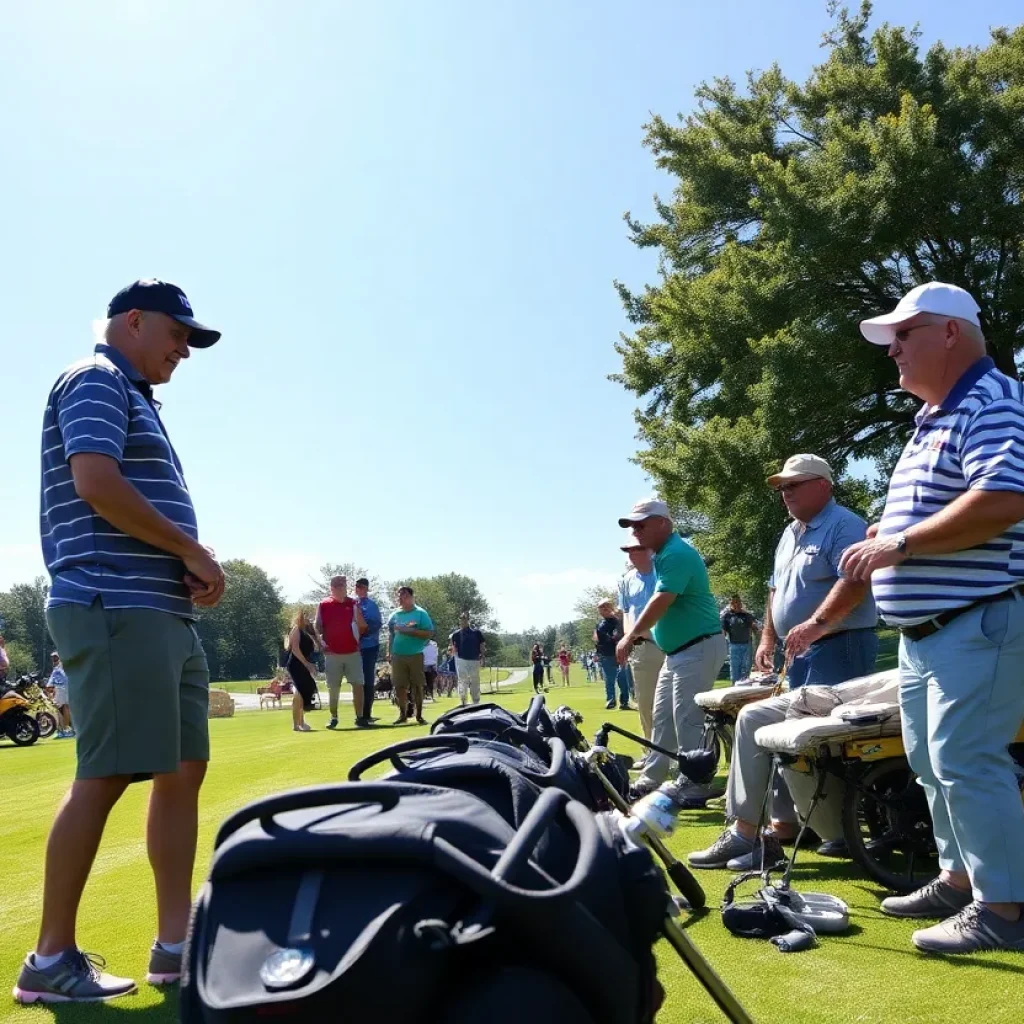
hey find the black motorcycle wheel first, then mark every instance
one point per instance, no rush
(24, 730)
(47, 724)
(888, 827)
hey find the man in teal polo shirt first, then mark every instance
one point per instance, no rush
(683, 619)
(410, 630)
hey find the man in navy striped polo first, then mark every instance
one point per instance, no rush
(948, 563)
(121, 544)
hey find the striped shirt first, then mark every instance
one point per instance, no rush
(97, 406)
(974, 441)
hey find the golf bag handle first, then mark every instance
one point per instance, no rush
(494, 885)
(533, 713)
(308, 796)
(464, 709)
(459, 742)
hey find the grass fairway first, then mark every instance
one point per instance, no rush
(872, 975)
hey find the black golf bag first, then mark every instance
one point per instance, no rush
(534, 731)
(467, 885)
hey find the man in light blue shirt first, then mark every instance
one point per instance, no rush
(635, 589)
(826, 621)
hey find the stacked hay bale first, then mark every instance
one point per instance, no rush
(221, 704)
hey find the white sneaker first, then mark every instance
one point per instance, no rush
(302, 728)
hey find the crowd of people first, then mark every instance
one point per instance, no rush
(943, 565)
(346, 630)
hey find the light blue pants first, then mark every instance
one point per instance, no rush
(739, 661)
(962, 699)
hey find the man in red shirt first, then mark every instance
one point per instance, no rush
(339, 625)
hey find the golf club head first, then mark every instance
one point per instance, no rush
(699, 766)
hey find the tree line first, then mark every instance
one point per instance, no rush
(243, 635)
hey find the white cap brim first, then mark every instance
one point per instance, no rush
(880, 329)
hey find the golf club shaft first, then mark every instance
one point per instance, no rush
(706, 974)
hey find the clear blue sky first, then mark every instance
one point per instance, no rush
(406, 219)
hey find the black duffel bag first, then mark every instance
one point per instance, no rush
(411, 904)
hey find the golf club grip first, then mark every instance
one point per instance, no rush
(683, 880)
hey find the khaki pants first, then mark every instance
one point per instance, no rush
(751, 771)
(677, 721)
(468, 673)
(338, 666)
(646, 661)
(407, 676)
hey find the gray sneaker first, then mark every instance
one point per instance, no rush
(76, 977)
(973, 930)
(763, 855)
(725, 848)
(164, 966)
(936, 899)
(687, 794)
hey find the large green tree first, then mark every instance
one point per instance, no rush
(798, 210)
(23, 624)
(446, 597)
(242, 635)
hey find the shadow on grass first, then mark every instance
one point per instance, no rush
(85, 1013)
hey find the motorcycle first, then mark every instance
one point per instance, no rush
(16, 721)
(42, 709)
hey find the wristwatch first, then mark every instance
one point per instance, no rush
(901, 543)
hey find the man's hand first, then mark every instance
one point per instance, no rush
(764, 657)
(860, 560)
(204, 577)
(623, 649)
(799, 638)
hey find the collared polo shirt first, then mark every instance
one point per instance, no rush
(372, 616)
(973, 440)
(807, 568)
(96, 406)
(635, 590)
(681, 571)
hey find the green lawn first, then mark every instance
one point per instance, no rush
(872, 975)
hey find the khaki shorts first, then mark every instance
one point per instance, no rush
(138, 687)
(349, 666)
(407, 674)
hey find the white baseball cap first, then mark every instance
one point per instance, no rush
(934, 297)
(628, 542)
(800, 467)
(644, 510)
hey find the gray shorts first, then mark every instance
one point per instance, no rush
(338, 666)
(138, 688)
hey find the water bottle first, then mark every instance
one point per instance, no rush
(657, 811)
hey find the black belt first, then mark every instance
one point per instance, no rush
(924, 629)
(690, 643)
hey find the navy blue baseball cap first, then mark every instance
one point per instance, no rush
(152, 296)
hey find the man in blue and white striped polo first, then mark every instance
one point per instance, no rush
(948, 564)
(121, 544)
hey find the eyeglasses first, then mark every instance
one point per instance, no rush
(902, 335)
(642, 525)
(786, 488)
